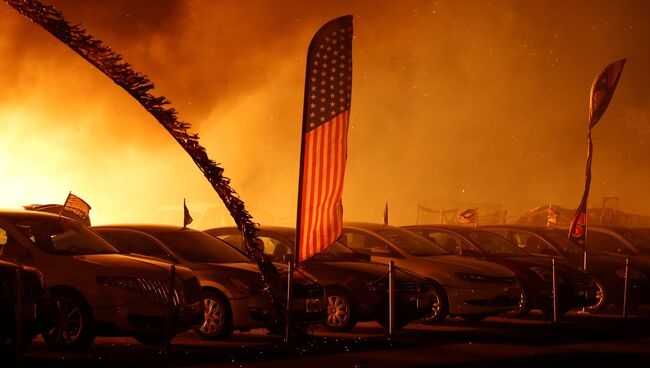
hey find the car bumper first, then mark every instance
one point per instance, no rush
(134, 313)
(483, 300)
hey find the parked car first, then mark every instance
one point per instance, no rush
(471, 288)
(608, 271)
(32, 302)
(576, 288)
(233, 291)
(96, 290)
(357, 289)
(619, 241)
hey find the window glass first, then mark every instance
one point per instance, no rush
(197, 246)
(532, 243)
(63, 236)
(364, 243)
(494, 244)
(134, 243)
(451, 243)
(560, 238)
(639, 237)
(606, 243)
(277, 249)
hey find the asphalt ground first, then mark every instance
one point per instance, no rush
(576, 341)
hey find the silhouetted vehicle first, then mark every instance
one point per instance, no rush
(32, 303)
(619, 241)
(95, 290)
(576, 288)
(233, 291)
(471, 288)
(608, 271)
(357, 289)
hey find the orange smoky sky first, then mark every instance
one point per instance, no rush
(468, 101)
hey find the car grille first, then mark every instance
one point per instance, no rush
(185, 292)
(307, 291)
(413, 287)
(579, 278)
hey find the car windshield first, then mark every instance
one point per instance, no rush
(196, 246)
(560, 239)
(494, 244)
(63, 236)
(411, 243)
(639, 237)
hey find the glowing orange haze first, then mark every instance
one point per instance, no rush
(467, 101)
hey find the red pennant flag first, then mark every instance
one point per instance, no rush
(326, 115)
(602, 90)
(187, 219)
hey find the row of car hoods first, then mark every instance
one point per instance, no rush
(153, 281)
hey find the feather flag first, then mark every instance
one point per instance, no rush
(602, 90)
(326, 116)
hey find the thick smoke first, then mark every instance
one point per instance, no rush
(467, 101)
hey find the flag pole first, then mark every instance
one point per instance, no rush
(584, 261)
(296, 251)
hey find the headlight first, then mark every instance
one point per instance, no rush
(246, 288)
(472, 277)
(128, 283)
(633, 274)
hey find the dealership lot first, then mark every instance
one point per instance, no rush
(579, 340)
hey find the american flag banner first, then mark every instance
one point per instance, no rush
(326, 115)
(77, 206)
(602, 90)
(552, 217)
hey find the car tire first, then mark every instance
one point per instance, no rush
(341, 314)
(217, 322)
(151, 339)
(439, 307)
(72, 326)
(524, 306)
(602, 299)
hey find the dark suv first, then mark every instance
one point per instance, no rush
(32, 302)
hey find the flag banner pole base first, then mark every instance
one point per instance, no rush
(555, 314)
(288, 323)
(391, 298)
(625, 287)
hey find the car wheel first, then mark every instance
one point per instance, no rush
(72, 325)
(475, 317)
(340, 311)
(151, 339)
(523, 308)
(439, 307)
(217, 321)
(601, 299)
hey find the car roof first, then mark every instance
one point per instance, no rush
(452, 227)
(27, 214)
(148, 228)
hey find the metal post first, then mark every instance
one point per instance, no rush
(19, 312)
(627, 269)
(170, 308)
(288, 325)
(554, 290)
(391, 297)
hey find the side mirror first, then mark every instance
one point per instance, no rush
(286, 258)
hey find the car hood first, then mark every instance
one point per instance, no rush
(130, 266)
(455, 263)
(369, 271)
